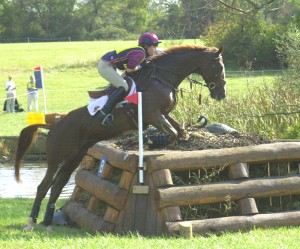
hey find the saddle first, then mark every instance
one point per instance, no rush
(96, 96)
(109, 89)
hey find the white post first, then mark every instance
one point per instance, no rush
(141, 149)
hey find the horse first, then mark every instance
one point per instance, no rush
(69, 139)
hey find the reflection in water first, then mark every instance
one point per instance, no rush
(31, 175)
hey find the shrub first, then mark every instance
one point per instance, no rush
(249, 44)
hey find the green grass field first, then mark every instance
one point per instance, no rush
(13, 218)
(70, 70)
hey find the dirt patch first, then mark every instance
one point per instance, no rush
(199, 139)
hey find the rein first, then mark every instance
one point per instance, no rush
(152, 75)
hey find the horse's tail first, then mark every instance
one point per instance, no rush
(27, 136)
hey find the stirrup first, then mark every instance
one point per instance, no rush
(108, 120)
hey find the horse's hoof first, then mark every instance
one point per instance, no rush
(30, 225)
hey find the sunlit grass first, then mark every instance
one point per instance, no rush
(13, 218)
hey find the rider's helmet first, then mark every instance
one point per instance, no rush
(148, 38)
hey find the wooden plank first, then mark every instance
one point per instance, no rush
(193, 160)
(238, 223)
(87, 162)
(125, 221)
(92, 204)
(126, 180)
(111, 215)
(102, 189)
(154, 222)
(80, 215)
(141, 204)
(119, 159)
(230, 190)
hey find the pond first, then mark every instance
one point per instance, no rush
(31, 175)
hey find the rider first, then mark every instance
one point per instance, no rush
(128, 59)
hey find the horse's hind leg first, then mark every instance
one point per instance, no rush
(61, 179)
(42, 190)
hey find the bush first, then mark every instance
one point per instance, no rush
(293, 132)
(111, 33)
(249, 44)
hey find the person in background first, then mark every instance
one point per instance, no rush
(128, 59)
(32, 94)
(10, 88)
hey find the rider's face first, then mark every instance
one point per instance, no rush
(151, 49)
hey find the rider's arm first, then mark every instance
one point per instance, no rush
(134, 60)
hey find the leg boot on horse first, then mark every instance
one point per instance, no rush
(104, 115)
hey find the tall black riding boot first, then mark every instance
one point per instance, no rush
(104, 115)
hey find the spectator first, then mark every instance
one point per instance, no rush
(32, 94)
(10, 88)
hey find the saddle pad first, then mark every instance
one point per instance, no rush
(97, 104)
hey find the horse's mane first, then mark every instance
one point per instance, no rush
(183, 48)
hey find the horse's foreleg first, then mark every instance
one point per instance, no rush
(181, 131)
(162, 123)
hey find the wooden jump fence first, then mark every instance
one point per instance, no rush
(123, 208)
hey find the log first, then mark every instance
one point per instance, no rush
(186, 230)
(162, 178)
(108, 172)
(111, 215)
(76, 193)
(238, 171)
(126, 180)
(88, 162)
(119, 159)
(238, 223)
(193, 160)
(101, 189)
(77, 213)
(228, 191)
(171, 214)
(246, 206)
(92, 204)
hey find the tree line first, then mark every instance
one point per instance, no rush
(248, 29)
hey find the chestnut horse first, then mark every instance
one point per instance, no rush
(69, 139)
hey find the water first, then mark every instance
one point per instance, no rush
(31, 174)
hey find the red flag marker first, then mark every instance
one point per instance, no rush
(133, 98)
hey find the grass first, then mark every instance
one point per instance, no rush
(70, 70)
(13, 218)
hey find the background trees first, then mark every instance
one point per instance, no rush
(248, 29)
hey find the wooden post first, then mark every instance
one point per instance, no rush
(163, 178)
(247, 205)
(186, 230)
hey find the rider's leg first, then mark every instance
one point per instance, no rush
(104, 115)
(107, 71)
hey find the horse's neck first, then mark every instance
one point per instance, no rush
(177, 68)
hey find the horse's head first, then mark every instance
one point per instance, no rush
(214, 75)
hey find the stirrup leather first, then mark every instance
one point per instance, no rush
(108, 120)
